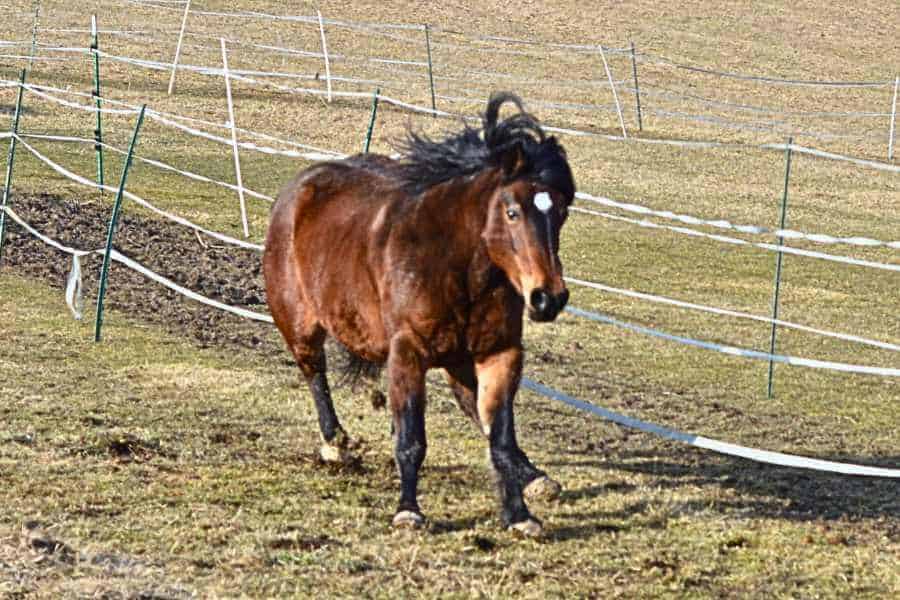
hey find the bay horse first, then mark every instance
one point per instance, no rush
(428, 261)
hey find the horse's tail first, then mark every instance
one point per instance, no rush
(355, 371)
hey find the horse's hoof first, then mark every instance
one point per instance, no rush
(529, 528)
(408, 519)
(543, 487)
(335, 454)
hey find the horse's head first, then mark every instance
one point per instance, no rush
(528, 208)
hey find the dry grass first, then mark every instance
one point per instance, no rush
(212, 492)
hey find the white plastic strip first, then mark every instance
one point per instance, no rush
(242, 312)
(248, 145)
(790, 234)
(773, 80)
(732, 313)
(149, 161)
(135, 198)
(734, 351)
(85, 107)
(739, 242)
(132, 264)
(74, 299)
(754, 454)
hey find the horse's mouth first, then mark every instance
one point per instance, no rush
(542, 316)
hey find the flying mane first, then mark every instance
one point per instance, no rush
(425, 163)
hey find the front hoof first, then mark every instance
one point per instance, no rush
(340, 455)
(408, 519)
(543, 488)
(529, 528)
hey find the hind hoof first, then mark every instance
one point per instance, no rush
(408, 519)
(529, 528)
(542, 488)
(335, 454)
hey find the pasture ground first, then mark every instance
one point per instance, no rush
(176, 457)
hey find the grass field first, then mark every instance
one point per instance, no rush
(165, 468)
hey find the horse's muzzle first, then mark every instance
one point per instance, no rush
(544, 306)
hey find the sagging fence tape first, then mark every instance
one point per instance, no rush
(735, 351)
(739, 242)
(732, 313)
(754, 454)
(156, 163)
(137, 199)
(788, 234)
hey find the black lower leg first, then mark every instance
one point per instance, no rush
(328, 421)
(409, 425)
(508, 460)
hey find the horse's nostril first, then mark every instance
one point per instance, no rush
(563, 299)
(540, 300)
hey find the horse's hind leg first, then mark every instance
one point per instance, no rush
(535, 482)
(307, 344)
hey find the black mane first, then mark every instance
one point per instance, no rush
(425, 163)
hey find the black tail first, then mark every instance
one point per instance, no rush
(356, 371)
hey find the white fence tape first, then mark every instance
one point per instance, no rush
(732, 313)
(649, 58)
(135, 198)
(755, 454)
(734, 351)
(149, 161)
(789, 234)
(739, 242)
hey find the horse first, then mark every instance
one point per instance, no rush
(428, 261)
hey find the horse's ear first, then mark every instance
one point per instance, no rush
(514, 161)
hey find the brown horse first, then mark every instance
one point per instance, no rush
(428, 262)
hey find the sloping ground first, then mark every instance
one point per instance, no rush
(148, 467)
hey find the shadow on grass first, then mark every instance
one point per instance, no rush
(762, 490)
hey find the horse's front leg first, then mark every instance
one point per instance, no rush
(535, 482)
(406, 374)
(498, 379)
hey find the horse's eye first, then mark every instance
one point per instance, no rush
(512, 214)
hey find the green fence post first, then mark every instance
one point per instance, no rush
(98, 132)
(9, 160)
(104, 272)
(372, 121)
(783, 221)
(430, 69)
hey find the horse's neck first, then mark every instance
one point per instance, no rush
(462, 207)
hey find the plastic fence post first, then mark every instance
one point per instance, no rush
(372, 120)
(613, 88)
(9, 161)
(637, 89)
(234, 144)
(430, 69)
(104, 272)
(325, 54)
(98, 131)
(782, 223)
(893, 120)
(187, 9)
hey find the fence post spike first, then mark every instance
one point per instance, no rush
(778, 259)
(113, 220)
